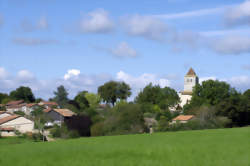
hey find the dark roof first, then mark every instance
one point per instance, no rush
(191, 72)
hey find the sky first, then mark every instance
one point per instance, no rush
(83, 44)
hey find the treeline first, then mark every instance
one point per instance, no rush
(215, 104)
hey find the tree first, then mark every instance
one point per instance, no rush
(93, 99)
(163, 97)
(61, 96)
(111, 91)
(22, 93)
(209, 93)
(3, 96)
(81, 100)
(247, 94)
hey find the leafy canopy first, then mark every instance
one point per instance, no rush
(22, 93)
(111, 91)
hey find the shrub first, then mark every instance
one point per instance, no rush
(98, 129)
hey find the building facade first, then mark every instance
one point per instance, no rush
(190, 80)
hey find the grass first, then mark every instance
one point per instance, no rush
(222, 147)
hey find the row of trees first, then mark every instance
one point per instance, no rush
(215, 104)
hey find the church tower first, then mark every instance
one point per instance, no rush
(190, 80)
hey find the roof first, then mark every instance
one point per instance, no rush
(15, 102)
(183, 117)
(16, 106)
(2, 112)
(47, 110)
(191, 72)
(6, 129)
(65, 112)
(31, 104)
(49, 103)
(8, 118)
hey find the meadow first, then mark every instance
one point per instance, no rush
(221, 147)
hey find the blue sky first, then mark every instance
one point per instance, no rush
(82, 44)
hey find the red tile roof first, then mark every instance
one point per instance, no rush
(14, 102)
(7, 129)
(31, 104)
(8, 118)
(183, 117)
(50, 103)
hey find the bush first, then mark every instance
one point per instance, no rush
(98, 129)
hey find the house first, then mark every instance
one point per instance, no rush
(4, 114)
(14, 108)
(48, 104)
(12, 123)
(58, 116)
(7, 131)
(183, 118)
(30, 107)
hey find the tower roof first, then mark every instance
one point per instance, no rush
(191, 72)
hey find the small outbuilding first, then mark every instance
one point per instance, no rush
(183, 118)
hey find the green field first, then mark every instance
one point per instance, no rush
(222, 147)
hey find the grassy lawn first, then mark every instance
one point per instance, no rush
(222, 147)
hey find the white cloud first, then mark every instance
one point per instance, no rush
(123, 50)
(3, 73)
(33, 41)
(239, 15)
(97, 21)
(231, 45)
(71, 73)
(25, 75)
(193, 13)
(145, 26)
(206, 78)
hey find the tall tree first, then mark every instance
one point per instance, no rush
(210, 93)
(81, 100)
(93, 99)
(111, 91)
(22, 93)
(3, 96)
(61, 96)
(163, 97)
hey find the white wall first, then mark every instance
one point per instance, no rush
(184, 99)
(3, 115)
(21, 124)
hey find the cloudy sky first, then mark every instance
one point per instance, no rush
(82, 44)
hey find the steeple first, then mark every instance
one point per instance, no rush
(190, 80)
(191, 72)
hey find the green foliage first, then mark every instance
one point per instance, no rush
(163, 97)
(124, 118)
(81, 100)
(20, 113)
(111, 91)
(22, 93)
(93, 99)
(61, 96)
(209, 93)
(3, 97)
(63, 132)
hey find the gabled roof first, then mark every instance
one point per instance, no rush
(183, 117)
(31, 104)
(65, 112)
(14, 102)
(191, 72)
(8, 118)
(48, 103)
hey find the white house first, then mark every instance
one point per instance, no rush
(4, 114)
(16, 122)
(190, 80)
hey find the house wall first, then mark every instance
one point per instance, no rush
(184, 99)
(189, 83)
(7, 133)
(55, 116)
(21, 124)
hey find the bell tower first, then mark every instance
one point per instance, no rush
(190, 80)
